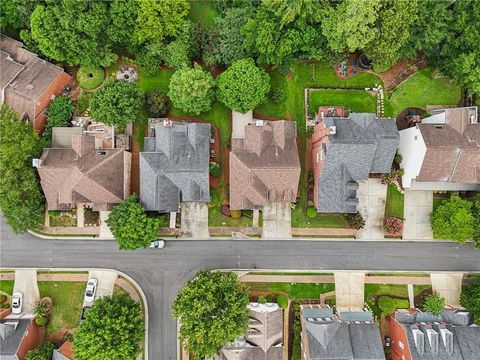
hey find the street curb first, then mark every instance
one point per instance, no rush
(215, 238)
(120, 273)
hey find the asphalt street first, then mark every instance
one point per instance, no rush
(162, 272)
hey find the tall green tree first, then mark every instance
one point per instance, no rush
(15, 14)
(243, 86)
(83, 32)
(212, 309)
(394, 20)
(113, 329)
(21, 199)
(60, 113)
(350, 25)
(453, 220)
(117, 103)
(470, 298)
(131, 226)
(300, 11)
(191, 90)
(160, 19)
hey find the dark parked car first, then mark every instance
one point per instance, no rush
(85, 309)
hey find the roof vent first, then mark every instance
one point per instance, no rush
(333, 130)
(36, 163)
(167, 123)
(258, 122)
(29, 87)
(419, 339)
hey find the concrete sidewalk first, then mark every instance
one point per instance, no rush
(328, 279)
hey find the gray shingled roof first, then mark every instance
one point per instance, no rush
(362, 144)
(174, 166)
(11, 335)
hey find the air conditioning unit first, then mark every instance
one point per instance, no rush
(258, 122)
(333, 130)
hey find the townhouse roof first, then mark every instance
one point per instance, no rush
(83, 174)
(331, 337)
(356, 146)
(174, 166)
(263, 339)
(10, 69)
(12, 332)
(452, 138)
(264, 165)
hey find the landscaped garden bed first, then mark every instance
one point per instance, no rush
(63, 218)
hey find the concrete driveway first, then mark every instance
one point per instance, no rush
(417, 208)
(194, 219)
(106, 282)
(372, 195)
(26, 282)
(277, 221)
(448, 286)
(349, 291)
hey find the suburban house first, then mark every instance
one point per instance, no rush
(345, 150)
(264, 163)
(263, 339)
(77, 170)
(17, 337)
(347, 335)
(28, 83)
(442, 152)
(64, 352)
(417, 335)
(174, 166)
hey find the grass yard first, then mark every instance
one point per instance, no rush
(392, 290)
(67, 299)
(6, 286)
(420, 90)
(300, 219)
(294, 291)
(394, 204)
(90, 78)
(203, 12)
(353, 100)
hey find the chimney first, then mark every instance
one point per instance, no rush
(419, 339)
(433, 340)
(447, 338)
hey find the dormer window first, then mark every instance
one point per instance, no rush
(101, 152)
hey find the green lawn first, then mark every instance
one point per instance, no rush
(67, 299)
(203, 12)
(355, 101)
(420, 90)
(6, 286)
(392, 290)
(294, 291)
(394, 204)
(90, 78)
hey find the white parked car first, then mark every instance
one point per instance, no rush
(17, 303)
(91, 290)
(157, 244)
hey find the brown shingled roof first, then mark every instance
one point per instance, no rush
(265, 167)
(83, 174)
(453, 149)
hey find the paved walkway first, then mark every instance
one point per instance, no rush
(90, 230)
(323, 232)
(372, 196)
(417, 208)
(26, 282)
(80, 215)
(105, 231)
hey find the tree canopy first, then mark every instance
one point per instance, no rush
(191, 90)
(83, 32)
(21, 199)
(470, 298)
(160, 19)
(243, 86)
(60, 113)
(213, 311)
(112, 329)
(131, 226)
(117, 103)
(453, 219)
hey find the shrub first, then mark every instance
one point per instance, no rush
(90, 78)
(4, 305)
(393, 225)
(41, 320)
(42, 308)
(434, 303)
(397, 159)
(278, 95)
(282, 301)
(214, 168)
(332, 300)
(311, 212)
(158, 103)
(262, 299)
(3, 298)
(392, 176)
(356, 221)
(235, 214)
(272, 297)
(226, 210)
(43, 352)
(387, 305)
